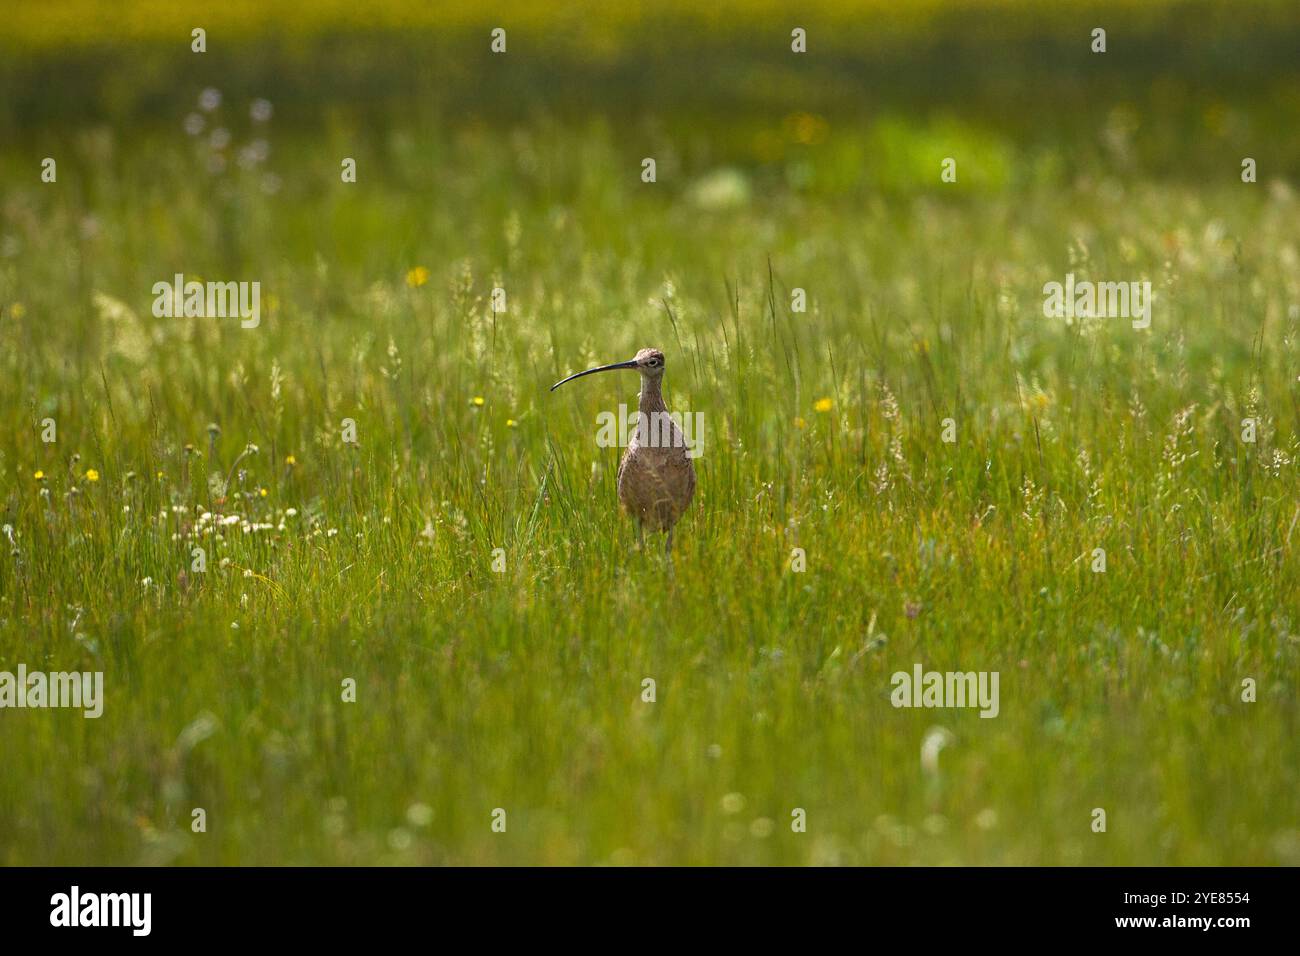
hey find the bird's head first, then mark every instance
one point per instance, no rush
(649, 362)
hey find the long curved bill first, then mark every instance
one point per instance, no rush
(592, 371)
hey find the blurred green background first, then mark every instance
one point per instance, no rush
(818, 171)
(1182, 88)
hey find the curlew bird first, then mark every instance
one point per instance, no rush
(656, 478)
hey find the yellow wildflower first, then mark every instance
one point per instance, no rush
(417, 277)
(92, 475)
(823, 405)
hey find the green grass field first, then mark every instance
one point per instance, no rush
(523, 690)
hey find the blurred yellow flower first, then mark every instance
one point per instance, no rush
(92, 474)
(511, 423)
(807, 128)
(17, 310)
(477, 401)
(39, 476)
(159, 475)
(417, 277)
(262, 492)
(290, 460)
(823, 405)
(800, 423)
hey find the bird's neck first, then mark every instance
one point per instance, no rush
(652, 398)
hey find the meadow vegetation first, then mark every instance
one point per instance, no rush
(522, 690)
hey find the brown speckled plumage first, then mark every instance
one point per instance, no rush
(656, 478)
